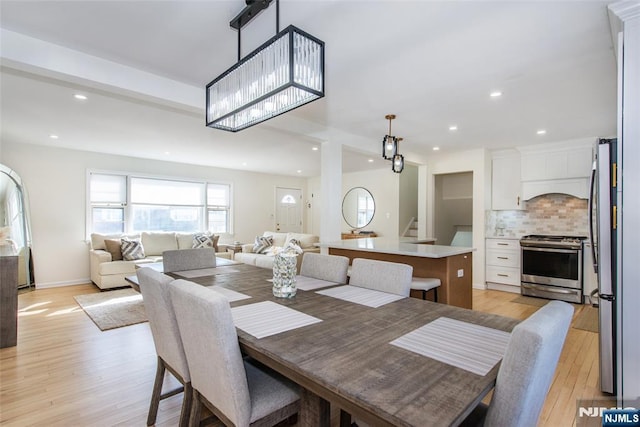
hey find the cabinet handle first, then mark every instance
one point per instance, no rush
(503, 257)
(503, 275)
(518, 204)
(503, 244)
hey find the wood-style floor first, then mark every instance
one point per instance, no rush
(66, 372)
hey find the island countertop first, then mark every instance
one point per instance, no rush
(408, 247)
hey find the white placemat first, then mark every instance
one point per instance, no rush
(464, 345)
(362, 296)
(202, 272)
(267, 318)
(229, 294)
(310, 283)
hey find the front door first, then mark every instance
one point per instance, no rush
(288, 210)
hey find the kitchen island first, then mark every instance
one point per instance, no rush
(451, 264)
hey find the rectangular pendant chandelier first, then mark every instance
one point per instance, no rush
(284, 73)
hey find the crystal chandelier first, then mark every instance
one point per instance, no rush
(391, 147)
(284, 73)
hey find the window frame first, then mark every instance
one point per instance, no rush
(128, 205)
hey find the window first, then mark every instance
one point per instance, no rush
(156, 204)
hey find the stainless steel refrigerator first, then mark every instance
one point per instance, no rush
(603, 205)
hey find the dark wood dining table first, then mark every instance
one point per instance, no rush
(347, 359)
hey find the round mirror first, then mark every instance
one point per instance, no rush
(358, 207)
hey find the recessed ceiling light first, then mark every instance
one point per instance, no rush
(244, 163)
(314, 148)
(166, 153)
(495, 94)
(541, 132)
(454, 127)
(370, 160)
(52, 136)
(436, 148)
(80, 97)
(299, 171)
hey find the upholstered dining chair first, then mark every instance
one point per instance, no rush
(527, 369)
(391, 277)
(154, 287)
(233, 389)
(332, 268)
(188, 259)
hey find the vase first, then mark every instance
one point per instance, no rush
(284, 275)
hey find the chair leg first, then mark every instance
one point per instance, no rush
(187, 399)
(424, 294)
(435, 294)
(196, 409)
(155, 395)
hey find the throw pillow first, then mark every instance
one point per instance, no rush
(205, 240)
(262, 244)
(113, 247)
(131, 249)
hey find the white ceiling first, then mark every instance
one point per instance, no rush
(432, 63)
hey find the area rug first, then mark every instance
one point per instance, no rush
(587, 319)
(538, 302)
(113, 309)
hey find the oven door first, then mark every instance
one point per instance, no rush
(552, 266)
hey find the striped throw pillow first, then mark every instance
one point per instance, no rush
(262, 244)
(131, 249)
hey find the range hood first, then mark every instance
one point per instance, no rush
(576, 187)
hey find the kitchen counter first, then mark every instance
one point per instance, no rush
(451, 264)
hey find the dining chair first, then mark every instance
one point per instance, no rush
(188, 259)
(235, 390)
(154, 287)
(332, 268)
(391, 277)
(527, 369)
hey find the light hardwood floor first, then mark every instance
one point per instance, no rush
(66, 372)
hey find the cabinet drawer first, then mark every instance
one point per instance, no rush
(503, 244)
(506, 275)
(503, 258)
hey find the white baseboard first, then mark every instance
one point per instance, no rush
(504, 288)
(480, 286)
(65, 283)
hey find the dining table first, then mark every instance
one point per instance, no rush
(384, 359)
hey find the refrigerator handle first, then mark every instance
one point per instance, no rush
(592, 196)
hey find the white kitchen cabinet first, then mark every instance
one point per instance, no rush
(503, 264)
(506, 190)
(559, 163)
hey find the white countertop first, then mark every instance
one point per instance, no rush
(398, 247)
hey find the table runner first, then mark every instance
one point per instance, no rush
(362, 296)
(310, 283)
(464, 345)
(268, 318)
(203, 272)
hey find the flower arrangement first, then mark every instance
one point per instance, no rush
(284, 270)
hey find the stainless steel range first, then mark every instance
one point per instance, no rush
(552, 267)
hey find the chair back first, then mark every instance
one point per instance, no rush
(188, 259)
(528, 367)
(390, 277)
(212, 349)
(154, 287)
(331, 268)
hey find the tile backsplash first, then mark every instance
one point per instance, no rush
(558, 214)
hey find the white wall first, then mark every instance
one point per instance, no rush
(56, 182)
(478, 162)
(383, 184)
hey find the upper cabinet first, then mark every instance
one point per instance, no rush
(559, 168)
(506, 188)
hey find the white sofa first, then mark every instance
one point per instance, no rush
(280, 240)
(107, 273)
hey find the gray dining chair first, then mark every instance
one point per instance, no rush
(154, 287)
(188, 259)
(391, 277)
(527, 369)
(233, 389)
(332, 268)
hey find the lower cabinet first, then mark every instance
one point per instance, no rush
(503, 264)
